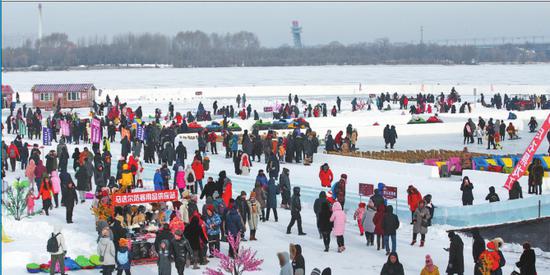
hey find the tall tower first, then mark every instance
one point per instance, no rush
(39, 21)
(296, 34)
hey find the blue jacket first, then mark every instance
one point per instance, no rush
(235, 143)
(213, 224)
(157, 180)
(128, 263)
(262, 179)
(233, 222)
(272, 191)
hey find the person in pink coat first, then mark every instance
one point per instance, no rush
(339, 219)
(29, 172)
(56, 186)
(30, 201)
(180, 179)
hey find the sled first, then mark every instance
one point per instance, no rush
(33, 268)
(416, 120)
(94, 260)
(84, 262)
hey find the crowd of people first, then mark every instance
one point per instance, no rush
(186, 233)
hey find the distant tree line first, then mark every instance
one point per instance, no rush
(199, 49)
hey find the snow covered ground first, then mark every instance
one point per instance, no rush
(30, 234)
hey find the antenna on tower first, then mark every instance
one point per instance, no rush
(39, 21)
(421, 35)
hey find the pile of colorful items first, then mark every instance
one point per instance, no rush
(81, 262)
(451, 166)
(506, 164)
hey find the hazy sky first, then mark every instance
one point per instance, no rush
(321, 22)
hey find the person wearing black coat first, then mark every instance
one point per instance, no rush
(492, 196)
(209, 189)
(317, 208)
(392, 266)
(295, 209)
(477, 248)
(324, 224)
(125, 147)
(194, 234)
(242, 206)
(392, 138)
(515, 192)
(298, 263)
(181, 250)
(386, 135)
(24, 155)
(63, 159)
(119, 232)
(220, 183)
(181, 153)
(527, 261)
(467, 194)
(390, 224)
(456, 255)
(273, 166)
(69, 199)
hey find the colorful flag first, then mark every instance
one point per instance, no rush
(96, 130)
(46, 136)
(140, 133)
(527, 157)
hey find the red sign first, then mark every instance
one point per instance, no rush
(145, 197)
(198, 93)
(268, 109)
(389, 192)
(527, 157)
(366, 189)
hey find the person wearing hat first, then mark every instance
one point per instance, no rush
(340, 189)
(295, 209)
(429, 268)
(123, 257)
(106, 250)
(242, 206)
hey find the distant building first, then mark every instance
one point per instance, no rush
(47, 96)
(296, 34)
(7, 96)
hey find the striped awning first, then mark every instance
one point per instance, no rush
(50, 88)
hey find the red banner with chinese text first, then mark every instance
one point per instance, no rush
(527, 157)
(145, 197)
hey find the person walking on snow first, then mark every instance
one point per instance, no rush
(420, 222)
(295, 209)
(339, 219)
(325, 175)
(57, 249)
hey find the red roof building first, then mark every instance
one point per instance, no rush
(48, 96)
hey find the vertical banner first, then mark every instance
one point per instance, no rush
(46, 136)
(140, 133)
(65, 129)
(527, 157)
(96, 130)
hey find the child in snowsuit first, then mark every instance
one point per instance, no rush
(339, 219)
(358, 216)
(30, 202)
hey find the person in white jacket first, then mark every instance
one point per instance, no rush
(284, 261)
(106, 249)
(59, 255)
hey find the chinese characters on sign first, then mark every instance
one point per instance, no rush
(145, 197)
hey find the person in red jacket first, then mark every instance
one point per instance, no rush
(13, 154)
(46, 193)
(212, 137)
(198, 169)
(413, 198)
(378, 229)
(326, 176)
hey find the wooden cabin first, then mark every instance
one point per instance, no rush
(48, 96)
